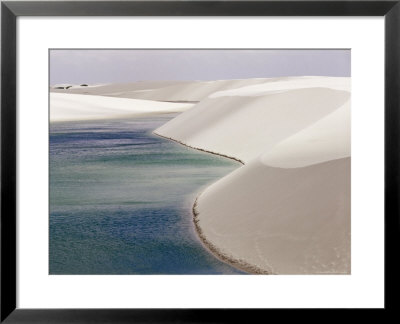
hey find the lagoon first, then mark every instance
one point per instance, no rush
(121, 200)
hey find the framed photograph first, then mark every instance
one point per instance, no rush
(194, 161)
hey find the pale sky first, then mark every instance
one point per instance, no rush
(122, 65)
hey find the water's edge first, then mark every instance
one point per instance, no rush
(198, 149)
(218, 253)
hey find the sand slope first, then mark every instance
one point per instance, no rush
(284, 221)
(243, 127)
(327, 139)
(73, 107)
(287, 210)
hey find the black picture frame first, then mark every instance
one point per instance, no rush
(10, 10)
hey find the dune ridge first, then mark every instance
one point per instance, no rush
(287, 209)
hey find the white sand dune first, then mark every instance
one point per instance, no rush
(192, 91)
(327, 139)
(243, 127)
(287, 210)
(284, 84)
(281, 221)
(113, 89)
(74, 107)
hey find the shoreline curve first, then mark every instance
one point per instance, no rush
(236, 263)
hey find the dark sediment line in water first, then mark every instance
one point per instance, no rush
(199, 149)
(237, 263)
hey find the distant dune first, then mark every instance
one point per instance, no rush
(287, 210)
(74, 107)
(112, 89)
(162, 90)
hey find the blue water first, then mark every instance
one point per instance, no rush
(121, 200)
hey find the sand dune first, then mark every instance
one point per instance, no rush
(193, 91)
(284, 84)
(287, 210)
(282, 221)
(115, 89)
(243, 127)
(73, 107)
(177, 91)
(327, 139)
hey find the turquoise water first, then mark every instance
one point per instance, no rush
(121, 200)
